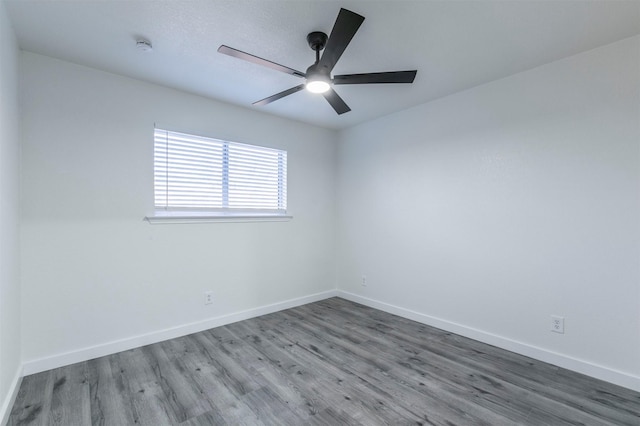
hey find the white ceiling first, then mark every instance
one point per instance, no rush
(454, 45)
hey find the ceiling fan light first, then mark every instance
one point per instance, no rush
(317, 85)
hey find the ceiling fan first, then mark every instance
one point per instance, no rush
(318, 76)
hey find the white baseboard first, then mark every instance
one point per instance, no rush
(597, 371)
(85, 354)
(7, 404)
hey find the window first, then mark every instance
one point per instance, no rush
(195, 176)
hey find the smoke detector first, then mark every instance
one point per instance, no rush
(144, 45)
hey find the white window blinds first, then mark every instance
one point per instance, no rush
(198, 174)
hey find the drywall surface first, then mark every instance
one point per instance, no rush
(93, 271)
(500, 206)
(10, 362)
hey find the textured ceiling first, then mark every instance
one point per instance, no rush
(454, 45)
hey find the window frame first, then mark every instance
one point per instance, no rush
(191, 214)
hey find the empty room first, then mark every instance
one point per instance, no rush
(278, 212)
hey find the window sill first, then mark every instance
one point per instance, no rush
(171, 219)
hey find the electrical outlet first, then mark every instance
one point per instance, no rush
(364, 281)
(208, 297)
(557, 324)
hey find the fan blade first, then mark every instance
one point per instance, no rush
(343, 31)
(280, 95)
(336, 102)
(376, 77)
(256, 60)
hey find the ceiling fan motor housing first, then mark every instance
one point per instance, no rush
(319, 71)
(318, 79)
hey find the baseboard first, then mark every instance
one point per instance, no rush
(597, 371)
(85, 354)
(7, 404)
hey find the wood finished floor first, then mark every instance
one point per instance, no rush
(327, 363)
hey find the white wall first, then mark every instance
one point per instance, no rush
(487, 211)
(93, 272)
(10, 362)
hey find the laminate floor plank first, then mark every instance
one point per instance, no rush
(332, 362)
(33, 402)
(183, 395)
(305, 395)
(209, 418)
(238, 379)
(332, 416)
(284, 385)
(317, 331)
(241, 354)
(210, 381)
(107, 406)
(270, 409)
(70, 396)
(140, 389)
